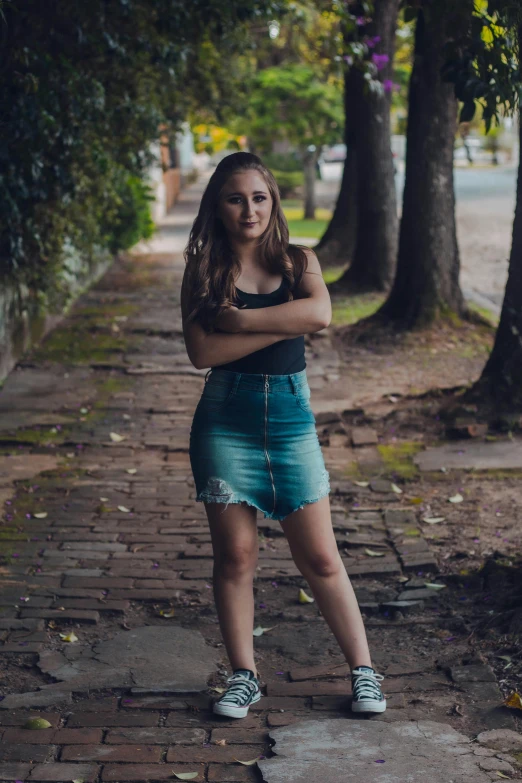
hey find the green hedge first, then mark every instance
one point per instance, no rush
(288, 181)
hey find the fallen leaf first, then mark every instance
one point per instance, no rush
(124, 509)
(167, 613)
(218, 690)
(433, 520)
(304, 598)
(37, 723)
(501, 775)
(514, 701)
(221, 742)
(416, 501)
(371, 553)
(69, 637)
(185, 775)
(84, 410)
(40, 515)
(412, 531)
(78, 780)
(247, 763)
(104, 500)
(505, 657)
(456, 498)
(396, 489)
(362, 483)
(132, 471)
(259, 631)
(433, 586)
(116, 438)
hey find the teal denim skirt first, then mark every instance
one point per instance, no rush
(253, 440)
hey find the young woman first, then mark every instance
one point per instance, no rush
(248, 297)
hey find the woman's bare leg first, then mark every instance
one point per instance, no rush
(312, 543)
(234, 540)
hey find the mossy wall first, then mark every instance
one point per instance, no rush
(26, 315)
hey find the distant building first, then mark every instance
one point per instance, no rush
(174, 167)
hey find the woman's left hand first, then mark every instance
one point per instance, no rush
(229, 320)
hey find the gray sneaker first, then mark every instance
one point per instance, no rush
(243, 691)
(367, 695)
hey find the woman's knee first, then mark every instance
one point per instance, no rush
(322, 564)
(236, 561)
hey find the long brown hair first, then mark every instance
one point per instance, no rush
(212, 267)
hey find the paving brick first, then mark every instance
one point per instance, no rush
(275, 719)
(127, 753)
(29, 736)
(77, 615)
(21, 648)
(200, 702)
(215, 753)
(232, 773)
(372, 569)
(56, 773)
(120, 719)
(304, 689)
(239, 736)
(14, 771)
(280, 703)
(208, 720)
(108, 605)
(157, 736)
(26, 752)
(335, 669)
(70, 736)
(120, 773)
(100, 582)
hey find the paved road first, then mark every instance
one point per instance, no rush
(485, 208)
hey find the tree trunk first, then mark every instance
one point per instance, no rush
(427, 281)
(374, 257)
(338, 241)
(501, 379)
(309, 167)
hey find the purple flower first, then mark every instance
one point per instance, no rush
(348, 59)
(360, 21)
(373, 41)
(380, 60)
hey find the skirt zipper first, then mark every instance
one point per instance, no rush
(266, 442)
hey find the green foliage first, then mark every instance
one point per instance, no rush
(87, 88)
(483, 62)
(280, 163)
(133, 220)
(297, 104)
(288, 181)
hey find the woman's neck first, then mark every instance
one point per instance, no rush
(247, 253)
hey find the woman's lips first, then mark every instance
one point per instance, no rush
(249, 224)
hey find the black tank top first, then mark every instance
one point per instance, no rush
(282, 358)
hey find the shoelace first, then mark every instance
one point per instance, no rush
(240, 691)
(366, 686)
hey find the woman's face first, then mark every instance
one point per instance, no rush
(245, 205)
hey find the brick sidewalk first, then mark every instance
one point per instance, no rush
(94, 435)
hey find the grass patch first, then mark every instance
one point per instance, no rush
(488, 315)
(332, 273)
(348, 310)
(398, 459)
(78, 346)
(38, 436)
(299, 227)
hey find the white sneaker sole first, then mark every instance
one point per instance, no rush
(369, 706)
(229, 711)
